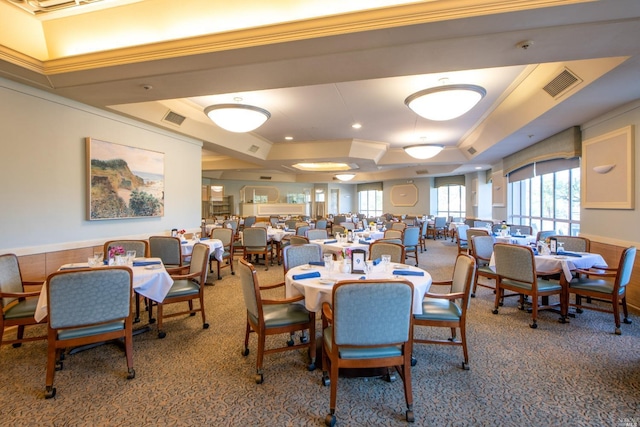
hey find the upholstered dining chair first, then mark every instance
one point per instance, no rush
(542, 235)
(225, 235)
(516, 270)
(297, 240)
(523, 229)
(367, 325)
(482, 251)
(249, 221)
(398, 226)
(335, 229)
(317, 234)
(423, 235)
(461, 237)
(411, 241)
(255, 243)
(273, 220)
(296, 255)
(17, 307)
(140, 246)
(169, 250)
(605, 284)
(573, 243)
(393, 234)
(470, 234)
(290, 224)
(273, 317)
(449, 310)
(302, 230)
(379, 248)
(87, 306)
(348, 225)
(321, 224)
(187, 288)
(438, 228)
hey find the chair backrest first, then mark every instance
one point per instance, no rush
(232, 224)
(86, 297)
(393, 234)
(471, 234)
(140, 246)
(482, 247)
(423, 228)
(200, 262)
(574, 243)
(482, 223)
(261, 224)
(515, 262)
(290, 224)
(321, 224)
(314, 234)
(338, 219)
(348, 225)
(542, 235)
(254, 237)
(294, 256)
(337, 229)
(398, 226)
(298, 240)
(166, 248)
(396, 250)
(10, 278)
(250, 289)
(371, 312)
(625, 267)
(249, 221)
(273, 221)
(411, 236)
(464, 272)
(461, 231)
(223, 234)
(524, 229)
(409, 221)
(440, 222)
(302, 230)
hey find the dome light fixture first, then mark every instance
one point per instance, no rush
(237, 118)
(445, 102)
(423, 151)
(345, 176)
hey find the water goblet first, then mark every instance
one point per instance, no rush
(386, 262)
(98, 256)
(328, 263)
(130, 256)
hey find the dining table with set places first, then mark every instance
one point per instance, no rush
(150, 279)
(515, 239)
(315, 282)
(216, 247)
(337, 248)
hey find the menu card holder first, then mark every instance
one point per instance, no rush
(358, 261)
(553, 245)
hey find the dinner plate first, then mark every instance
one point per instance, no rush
(327, 281)
(560, 257)
(400, 267)
(307, 267)
(153, 267)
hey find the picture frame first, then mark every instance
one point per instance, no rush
(358, 261)
(608, 170)
(123, 182)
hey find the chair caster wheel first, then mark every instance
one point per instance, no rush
(259, 378)
(205, 326)
(304, 339)
(414, 361)
(290, 342)
(626, 321)
(59, 366)
(410, 417)
(49, 392)
(311, 367)
(16, 344)
(579, 310)
(326, 381)
(618, 331)
(330, 420)
(473, 295)
(131, 374)
(495, 311)
(192, 314)
(534, 325)
(465, 366)
(390, 378)
(245, 352)
(233, 273)
(563, 320)
(162, 334)
(152, 320)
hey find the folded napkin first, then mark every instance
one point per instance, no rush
(306, 275)
(364, 242)
(362, 278)
(330, 241)
(320, 263)
(184, 242)
(143, 263)
(570, 254)
(377, 261)
(204, 238)
(535, 251)
(359, 230)
(518, 236)
(408, 273)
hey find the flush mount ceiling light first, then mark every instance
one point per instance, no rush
(345, 176)
(423, 151)
(237, 118)
(445, 102)
(322, 167)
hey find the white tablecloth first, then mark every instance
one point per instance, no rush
(315, 293)
(549, 263)
(152, 283)
(215, 247)
(520, 240)
(338, 248)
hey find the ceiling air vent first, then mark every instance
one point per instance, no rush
(472, 151)
(265, 178)
(253, 149)
(561, 83)
(422, 172)
(174, 118)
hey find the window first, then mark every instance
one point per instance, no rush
(451, 201)
(370, 203)
(550, 201)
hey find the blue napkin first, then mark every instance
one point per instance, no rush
(518, 237)
(535, 251)
(306, 275)
(330, 241)
(359, 230)
(408, 273)
(363, 278)
(364, 242)
(320, 263)
(204, 238)
(377, 261)
(570, 254)
(143, 263)
(184, 242)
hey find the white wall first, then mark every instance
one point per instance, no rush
(43, 173)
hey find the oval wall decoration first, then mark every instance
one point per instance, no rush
(404, 195)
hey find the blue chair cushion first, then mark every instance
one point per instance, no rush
(87, 331)
(276, 315)
(362, 352)
(183, 287)
(22, 309)
(543, 285)
(487, 270)
(593, 285)
(439, 309)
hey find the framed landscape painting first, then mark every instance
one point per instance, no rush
(123, 181)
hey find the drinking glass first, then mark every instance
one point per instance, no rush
(98, 256)
(386, 262)
(130, 256)
(328, 263)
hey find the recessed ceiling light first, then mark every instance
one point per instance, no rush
(356, 125)
(478, 168)
(288, 138)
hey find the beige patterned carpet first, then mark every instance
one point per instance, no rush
(576, 374)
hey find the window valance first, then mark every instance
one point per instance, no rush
(441, 181)
(369, 186)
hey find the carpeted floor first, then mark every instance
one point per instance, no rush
(575, 374)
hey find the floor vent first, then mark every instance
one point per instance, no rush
(561, 83)
(174, 118)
